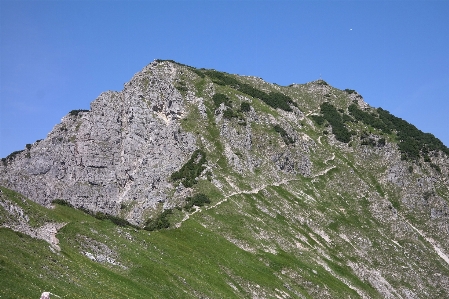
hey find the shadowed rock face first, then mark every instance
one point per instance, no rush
(120, 152)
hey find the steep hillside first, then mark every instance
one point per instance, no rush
(243, 188)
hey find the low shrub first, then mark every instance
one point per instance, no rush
(104, 216)
(318, 119)
(62, 202)
(160, 222)
(245, 107)
(198, 72)
(331, 114)
(229, 114)
(114, 219)
(287, 139)
(198, 200)
(273, 99)
(219, 98)
(76, 112)
(191, 170)
(322, 82)
(436, 167)
(182, 88)
(11, 156)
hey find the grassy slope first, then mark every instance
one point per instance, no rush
(180, 263)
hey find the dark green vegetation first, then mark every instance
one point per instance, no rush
(219, 98)
(76, 112)
(322, 82)
(159, 222)
(229, 113)
(191, 170)
(287, 139)
(114, 219)
(181, 86)
(11, 156)
(412, 142)
(318, 119)
(198, 200)
(99, 215)
(62, 202)
(272, 99)
(350, 91)
(245, 107)
(336, 120)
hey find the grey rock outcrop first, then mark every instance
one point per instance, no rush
(45, 295)
(117, 156)
(19, 221)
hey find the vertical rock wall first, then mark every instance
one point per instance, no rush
(117, 156)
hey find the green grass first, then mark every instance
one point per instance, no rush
(179, 261)
(376, 185)
(164, 264)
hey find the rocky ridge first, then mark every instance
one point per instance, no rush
(117, 157)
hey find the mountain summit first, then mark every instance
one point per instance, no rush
(306, 189)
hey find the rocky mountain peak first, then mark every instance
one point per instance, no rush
(320, 193)
(117, 157)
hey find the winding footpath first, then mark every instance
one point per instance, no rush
(254, 191)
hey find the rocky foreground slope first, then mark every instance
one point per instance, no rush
(307, 191)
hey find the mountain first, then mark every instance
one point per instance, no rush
(195, 183)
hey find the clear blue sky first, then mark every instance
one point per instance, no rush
(60, 55)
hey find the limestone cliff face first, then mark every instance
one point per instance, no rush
(120, 153)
